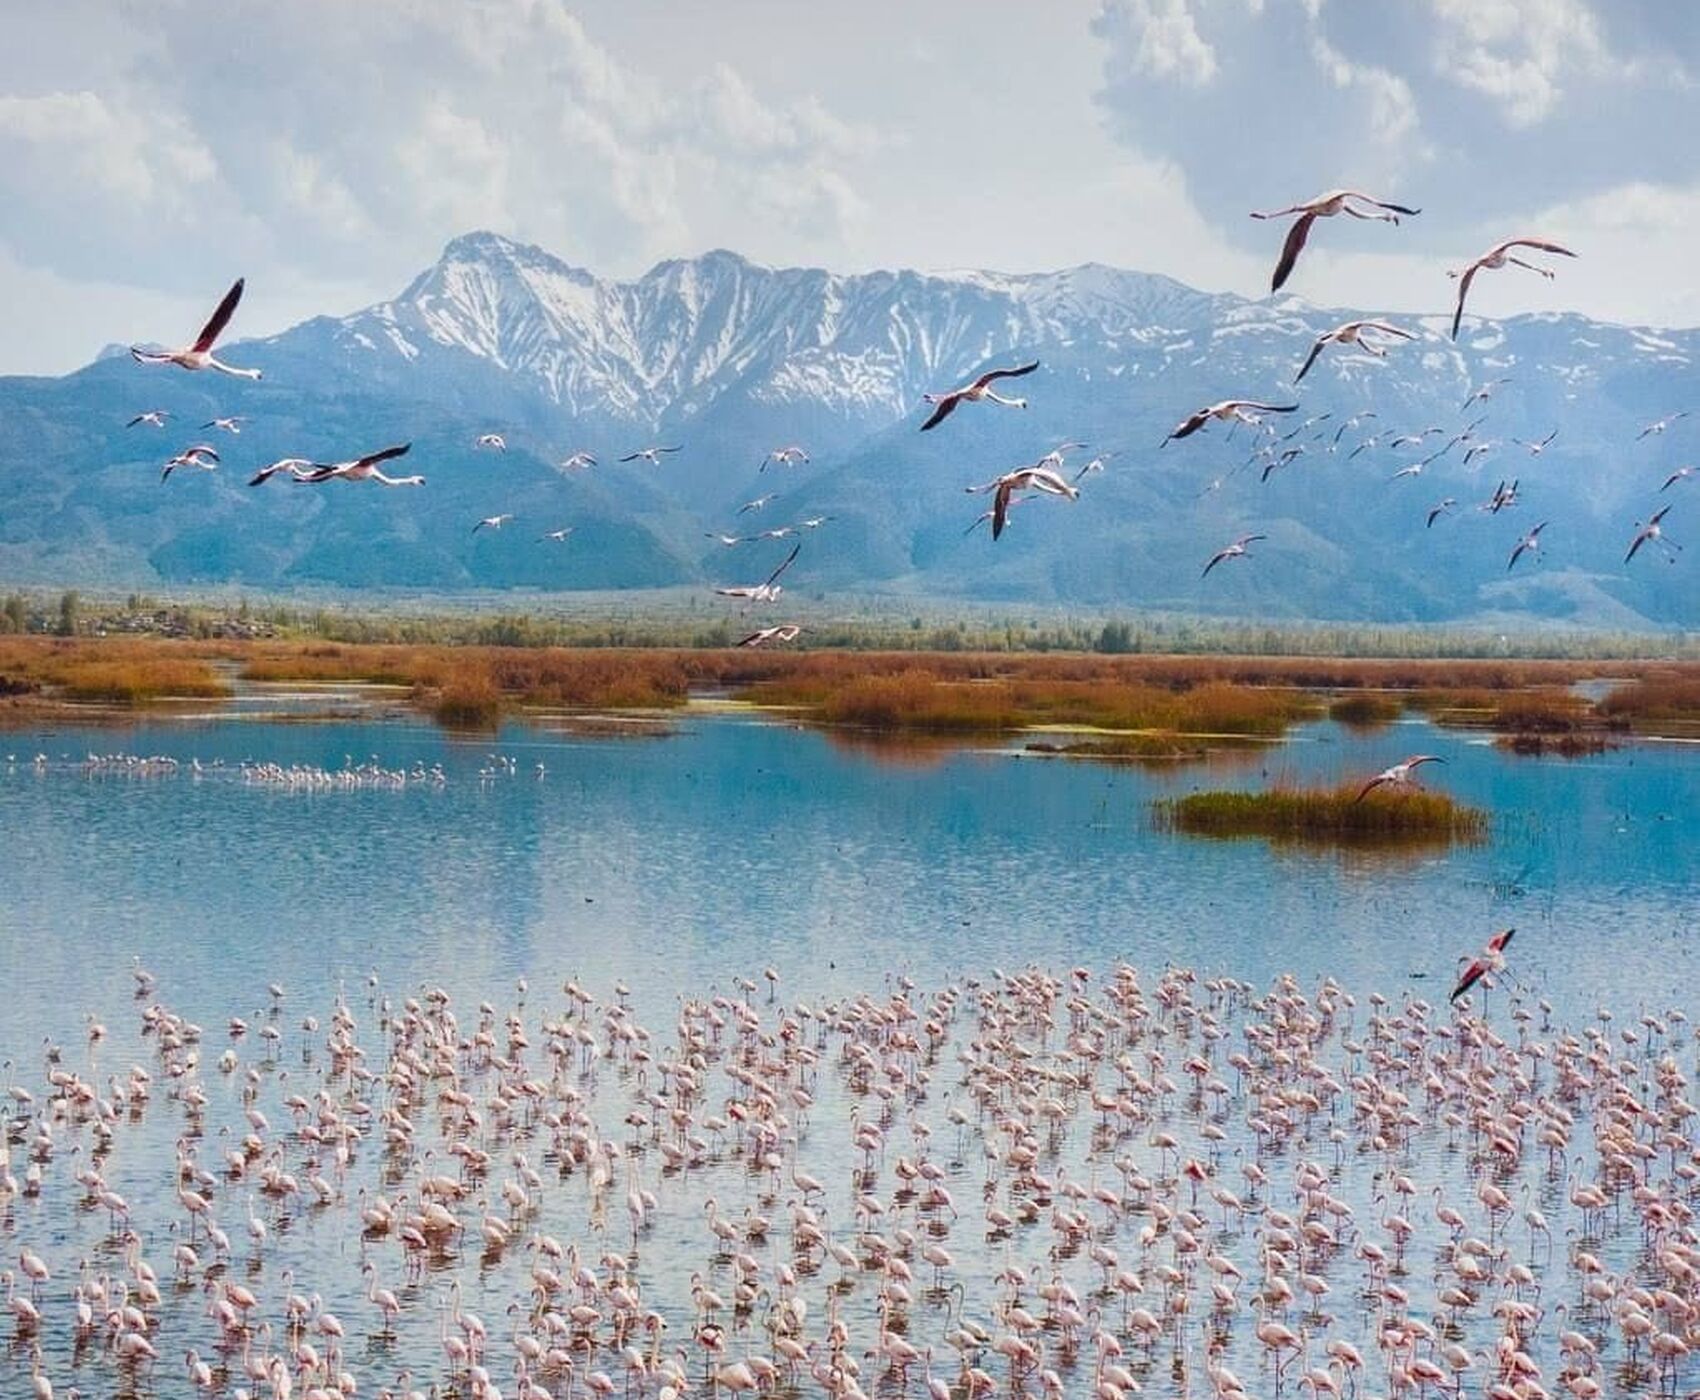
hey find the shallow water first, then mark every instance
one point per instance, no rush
(676, 863)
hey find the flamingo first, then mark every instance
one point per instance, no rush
(1680, 474)
(199, 355)
(1033, 478)
(766, 591)
(296, 467)
(360, 469)
(1236, 550)
(759, 503)
(1444, 508)
(1399, 775)
(784, 457)
(1499, 256)
(492, 522)
(1658, 425)
(1490, 959)
(495, 442)
(1534, 449)
(1653, 533)
(558, 536)
(1529, 544)
(1322, 207)
(1239, 410)
(579, 461)
(230, 425)
(1351, 333)
(977, 391)
(785, 632)
(153, 417)
(203, 458)
(652, 455)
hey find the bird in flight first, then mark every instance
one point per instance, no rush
(558, 536)
(1484, 393)
(1653, 533)
(1529, 544)
(1503, 496)
(1490, 959)
(1030, 478)
(491, 522)
(785, 632)
(296, 467)
(357, 469)
(494, 441)
(226, 425)
(1322, 207)
(1499, 256)
(1351, 333)
(1415, 469)
(1658, 425)
(757, 504)
(1534, 449)
(1237, 410)
(153, 417)
(727, 540)
(1236, 550)
(200, 355)
(979, 391)
(1401, 775)
(1680, 474)
(767, 590)
(783, 457)
(202, 457)
(1444, 508)
(652, 455)
(578, 462)
(1095, 465)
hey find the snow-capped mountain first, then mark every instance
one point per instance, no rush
(731, 359)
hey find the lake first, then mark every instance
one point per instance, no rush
(676, 863)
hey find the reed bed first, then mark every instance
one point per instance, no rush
(1366, 711)
(1537, 710)
(1324, 815)
(111, 672)
(1664, 702)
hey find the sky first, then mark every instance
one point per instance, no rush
(151, 150)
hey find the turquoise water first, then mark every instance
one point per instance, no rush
(675, 864)
(732, 843)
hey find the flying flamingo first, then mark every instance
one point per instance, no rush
(1033, 478)
(200, 355)
(578, 462)
(494, 441)
(558, 536)
(785, 632)
(979, 391)
(1239, 410)
(297, 467)
(1236, 550)
(153, 417)
(492, 522)
(1529, 544)
(1490, 959)
(652, 455)
(1351, 333)
(1653, 533)
(1499, 256)
(1444, 508)
(363, 469)
(1399, 775)
(1322, 207)
(784, 457)
(766, 591)
(232, 424)
(1680, 474)
(202, 457)
(1658, 425)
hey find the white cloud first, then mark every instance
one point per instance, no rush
(1521, 52)
(1166, 41)
(1392, 107)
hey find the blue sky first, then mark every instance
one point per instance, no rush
(327, 150)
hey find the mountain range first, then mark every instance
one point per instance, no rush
(730, 360)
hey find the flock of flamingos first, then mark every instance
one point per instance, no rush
(1040, 479)
(1076, 1184)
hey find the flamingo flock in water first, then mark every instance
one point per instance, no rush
(1034, 1183)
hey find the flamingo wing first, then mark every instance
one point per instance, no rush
(1290, 250)
(1000, 508)
(1463, 291)
(220, 318)
(995, 374)
(1472, 974)
(1371, 786)
(1190, 425)
(1310, 359)
(944, 406)
(795, 549)
(386, 454)
(1545, 246)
